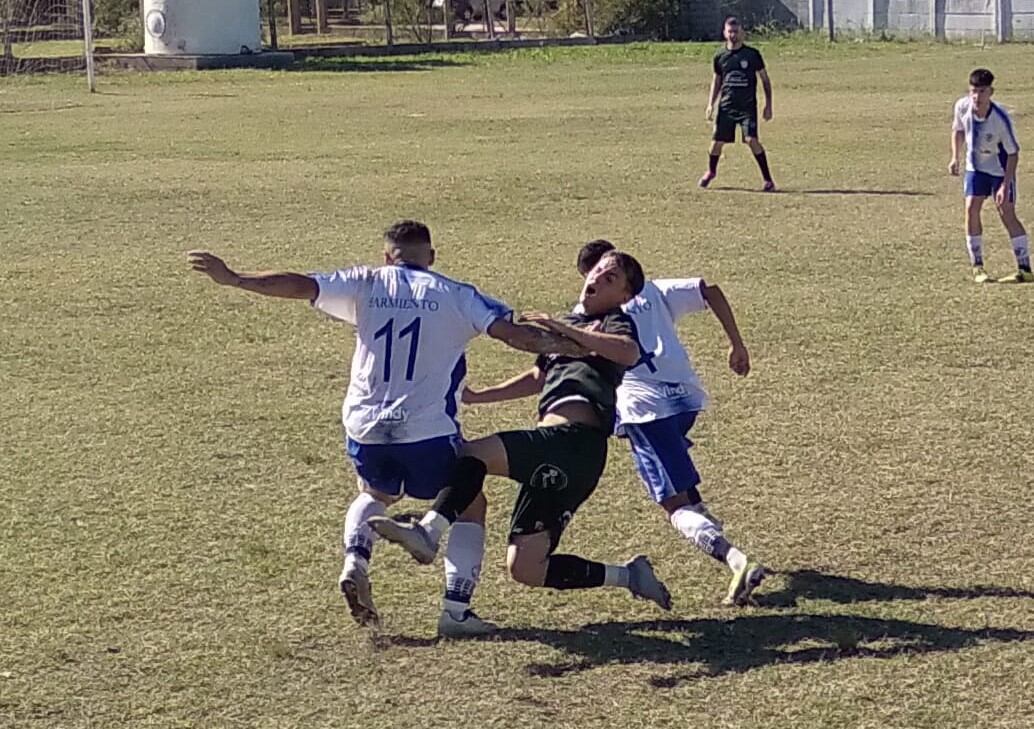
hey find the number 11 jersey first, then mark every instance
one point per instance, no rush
(412, 328)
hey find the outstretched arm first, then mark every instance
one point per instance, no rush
(534, 339)
(739, 357)
(523, 385)
(615, 347)
(284, 285)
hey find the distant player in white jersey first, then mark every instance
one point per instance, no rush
(992, 154)
(658, 402)
(399, 414)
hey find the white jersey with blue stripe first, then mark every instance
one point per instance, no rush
(663, 383)
(412, 327)
(989, 141)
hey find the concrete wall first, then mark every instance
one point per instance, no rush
(1012, 19)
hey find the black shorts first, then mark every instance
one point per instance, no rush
(729, 119)
(558, 468)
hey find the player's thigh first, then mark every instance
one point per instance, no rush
(748, 124)
(490, 451)
(558, 472)
(977, 187)
(660, 450)
(426, 464)
(724, 127)
(377, 468)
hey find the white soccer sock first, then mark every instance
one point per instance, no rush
(358, 537)
(435, 524)
(615, 575)
(707, 537)
(463, 556)
(1021, 247)
(975, 246)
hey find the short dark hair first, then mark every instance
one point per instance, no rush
(981, 77)
(591, 253)
(731, 20)
(408, 233)
(633, 271)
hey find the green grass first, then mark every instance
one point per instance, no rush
(173, 483)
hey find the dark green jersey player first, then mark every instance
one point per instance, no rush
(559, 462)
(736, 70)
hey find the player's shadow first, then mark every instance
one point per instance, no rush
(815, 585)
(829, 191)
(709, 647)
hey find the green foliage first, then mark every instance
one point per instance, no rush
(653, 18)
(115, 16)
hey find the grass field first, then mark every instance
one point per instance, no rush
(173, 483)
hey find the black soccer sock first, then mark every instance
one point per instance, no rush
(463, 486)
(568, 572)
(712, 163)
(762, 160)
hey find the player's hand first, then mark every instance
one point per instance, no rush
(1002, 195)
(739, 360)
(767, 113)
(953, 168)
(213, 266)
(709, 114)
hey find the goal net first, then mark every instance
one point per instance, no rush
(38, 36)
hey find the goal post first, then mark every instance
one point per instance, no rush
(38, 36)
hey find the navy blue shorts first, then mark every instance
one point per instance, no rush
(417, 469)
(981, 184)
(661, 452)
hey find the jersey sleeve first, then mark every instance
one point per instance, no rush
(682, 295)
(957, 124)
(759, 60)
(1009, 141)
(715, 65)
(340, 292)
(481, 311)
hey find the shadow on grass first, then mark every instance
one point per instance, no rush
(831, 191)
(815, 585)
(718, 647)
(342, 65)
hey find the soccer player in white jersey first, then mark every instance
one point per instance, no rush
(992, 153)
(658, 402)
(399, 414)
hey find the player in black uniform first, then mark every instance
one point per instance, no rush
(558, 463)
(736, 70)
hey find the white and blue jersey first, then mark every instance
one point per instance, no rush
(989, 142)
(412, 327)
(663, 382)
(660, 396)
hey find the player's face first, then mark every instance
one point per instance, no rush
(606, 287)
(981, 96)
(733, 33)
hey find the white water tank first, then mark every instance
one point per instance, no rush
(201, 27)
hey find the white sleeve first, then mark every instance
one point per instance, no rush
(340, 292)
(1009, 141)
(481, 311)
(956, 124)
(683, 295)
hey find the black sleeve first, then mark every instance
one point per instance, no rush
(717, 68)
(620, 324)
(759, 60)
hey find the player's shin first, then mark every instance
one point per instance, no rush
(1021, 249)
(569, 572)
(463, 556)
(707, 537)
(358, 537)
(464, 484)
(975, 247)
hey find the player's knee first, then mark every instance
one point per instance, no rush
(476, 511)
(384, 498)
(973, 205)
